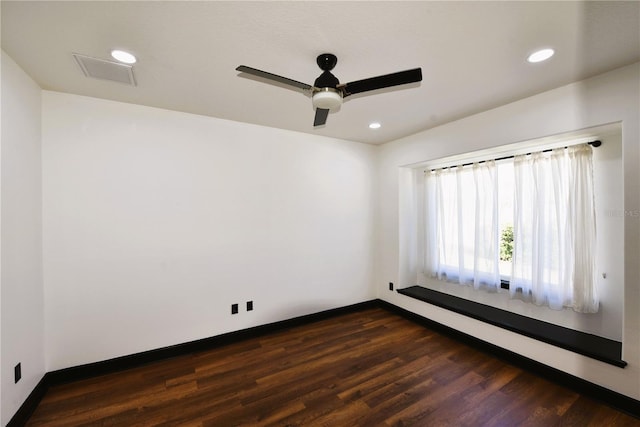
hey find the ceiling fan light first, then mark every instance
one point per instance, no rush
(327, 98)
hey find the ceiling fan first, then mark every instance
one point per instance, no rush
(327, 92)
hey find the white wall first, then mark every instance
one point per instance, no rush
(21, 228)
(611, 97)
(155, 222)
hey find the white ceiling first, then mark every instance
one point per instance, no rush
(472, 54)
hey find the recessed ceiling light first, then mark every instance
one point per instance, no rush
(374, 125)
(123, 56)
(540, 55)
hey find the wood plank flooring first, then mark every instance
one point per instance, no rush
(370, 368)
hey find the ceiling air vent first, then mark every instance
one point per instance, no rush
(105, 70)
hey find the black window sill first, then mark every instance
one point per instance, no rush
(589, 345)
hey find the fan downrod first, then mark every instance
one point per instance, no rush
(327, 61)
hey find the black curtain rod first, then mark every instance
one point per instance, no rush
(596, 143)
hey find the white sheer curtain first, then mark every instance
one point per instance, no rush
(554, 229)
(585, 295)
(486, 271)
(462, 225)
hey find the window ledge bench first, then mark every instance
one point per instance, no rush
(589, 345)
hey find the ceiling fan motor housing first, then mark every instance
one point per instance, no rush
(326, 95)
(326, 79)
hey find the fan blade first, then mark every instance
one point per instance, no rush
(321, 116)
(388, 80)
(274, 77)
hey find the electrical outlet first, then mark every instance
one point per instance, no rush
(249, 305)
(390, 286)
(17, 373)
(234, 308)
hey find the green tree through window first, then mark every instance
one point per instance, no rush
(506, 243)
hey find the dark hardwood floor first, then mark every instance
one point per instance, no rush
(370, 368)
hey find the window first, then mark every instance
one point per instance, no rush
(528, 220)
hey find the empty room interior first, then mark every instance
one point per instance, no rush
(368, 213)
